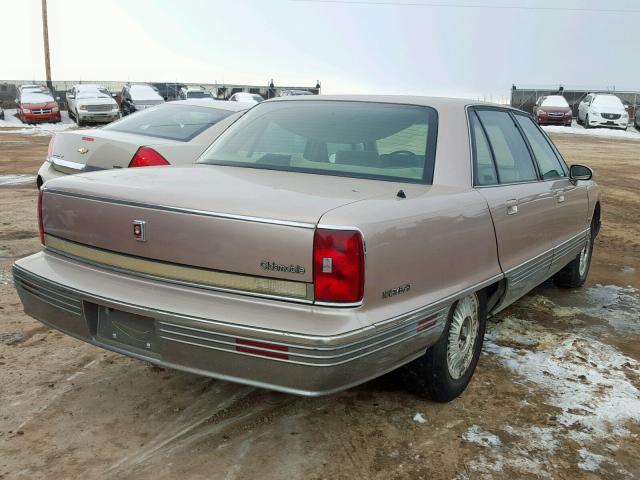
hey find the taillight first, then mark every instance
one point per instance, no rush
(147, 157)
(52, 142)
(338, 265)
(40, 225)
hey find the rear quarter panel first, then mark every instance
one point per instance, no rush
(439, 240)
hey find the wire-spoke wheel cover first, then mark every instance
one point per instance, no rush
(584, 258)
(463, 333)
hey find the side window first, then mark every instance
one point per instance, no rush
(512, 156)
(549, 164)
(484, 169)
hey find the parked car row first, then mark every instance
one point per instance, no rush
(305, 244)
(594, 110)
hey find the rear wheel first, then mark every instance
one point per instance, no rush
(586, 121)
(78, 121)
(445, 370)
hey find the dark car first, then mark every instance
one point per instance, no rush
(138, 97)
(552, 110)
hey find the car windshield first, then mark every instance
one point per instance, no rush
(607, 101)
(94, 93)
(554, 101)
(175, 122)
(342, 138)
(198, 94)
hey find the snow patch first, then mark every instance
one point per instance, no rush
(574, 129)
(485, 439)
(17, 179)
(589, 461)
(419, 418)
(12, 124)
(619, 306)
(590, 381)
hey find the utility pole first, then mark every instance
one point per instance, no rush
(45, 34)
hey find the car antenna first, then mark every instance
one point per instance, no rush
(401, 194)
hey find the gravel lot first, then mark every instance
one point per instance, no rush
(556, 393)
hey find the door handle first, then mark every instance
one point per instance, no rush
(512, 206)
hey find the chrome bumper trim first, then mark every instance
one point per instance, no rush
(168, 272)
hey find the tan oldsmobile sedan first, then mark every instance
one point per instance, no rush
(318, 243)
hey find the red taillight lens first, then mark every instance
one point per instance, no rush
(147, 157)
(338, 265)
(52, 142)
(40, 225)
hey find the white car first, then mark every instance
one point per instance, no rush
(190, 93)
(173, 133)
(245, 97)
(92, 103)
(602, 110)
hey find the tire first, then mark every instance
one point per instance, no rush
(434, 374)
(586, 121)
(575, 273)
(78, 121)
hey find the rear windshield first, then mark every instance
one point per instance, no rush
(175, 122)
(143, 92)
(354, 139)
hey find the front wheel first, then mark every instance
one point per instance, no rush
(575, 273)
(445, 370)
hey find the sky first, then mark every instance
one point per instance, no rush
(461, 48)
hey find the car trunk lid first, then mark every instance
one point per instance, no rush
(245, 221)
(97, 149)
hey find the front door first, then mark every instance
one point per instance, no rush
(568, 218)
(506, 175)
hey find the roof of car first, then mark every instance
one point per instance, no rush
(438, 103)
(221, 104)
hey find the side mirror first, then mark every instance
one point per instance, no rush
(71, 97)
(580, 172)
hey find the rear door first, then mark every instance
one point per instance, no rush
(506, 175)
(568, 221)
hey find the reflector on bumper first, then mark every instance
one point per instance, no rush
(240, 283)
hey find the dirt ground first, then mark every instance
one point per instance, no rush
(556, 393)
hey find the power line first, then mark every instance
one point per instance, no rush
(462, 5)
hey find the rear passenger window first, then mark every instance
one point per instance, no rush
(511, 153)
(483, 168)
(549, 164)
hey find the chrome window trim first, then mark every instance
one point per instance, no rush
(168, 208)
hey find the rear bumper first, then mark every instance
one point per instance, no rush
(215, 345)
(47, 172)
